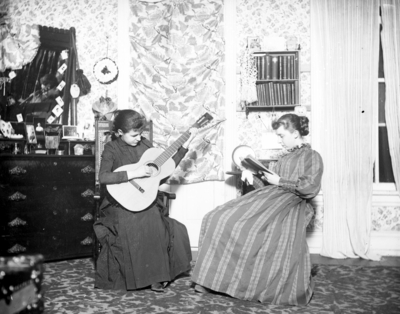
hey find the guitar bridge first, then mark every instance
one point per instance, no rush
(137, 186)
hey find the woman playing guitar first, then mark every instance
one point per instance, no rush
(139, 249)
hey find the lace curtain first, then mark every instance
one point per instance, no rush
(391, 53)
(344, 67)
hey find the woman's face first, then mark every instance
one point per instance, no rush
(288, 139)
(131, 138)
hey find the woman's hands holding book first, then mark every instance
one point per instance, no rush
(271, 177)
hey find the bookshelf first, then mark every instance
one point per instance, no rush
(278, 81)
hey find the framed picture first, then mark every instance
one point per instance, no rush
(30, 134)
(70, 131)
(39, 124)
(254, 43)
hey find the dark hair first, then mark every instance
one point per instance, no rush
(49, 80)
(127, 120)
(292, 122)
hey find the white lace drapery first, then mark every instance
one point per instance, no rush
(344, 67)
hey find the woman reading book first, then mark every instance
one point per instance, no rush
(254, 247)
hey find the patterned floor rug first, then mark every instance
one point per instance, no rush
(68, 288)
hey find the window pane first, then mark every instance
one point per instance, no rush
(382, 94)
(381, 73)
(385, 163)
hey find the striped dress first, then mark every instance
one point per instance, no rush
(254, 247)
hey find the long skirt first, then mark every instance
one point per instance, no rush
(254, 248)
(139, 248)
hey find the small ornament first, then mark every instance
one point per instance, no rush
(105, 71)
(75, 90)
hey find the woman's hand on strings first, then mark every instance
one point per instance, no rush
(141, 172)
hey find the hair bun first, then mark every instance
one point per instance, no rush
(304, 129)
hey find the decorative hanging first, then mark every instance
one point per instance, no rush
(19, 43)
(248, 93)
(105, 71)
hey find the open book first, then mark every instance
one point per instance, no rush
(255, 164)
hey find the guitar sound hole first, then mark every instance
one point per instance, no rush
(153, 168)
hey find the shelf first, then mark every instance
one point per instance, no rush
(259, 81)
(270, 108)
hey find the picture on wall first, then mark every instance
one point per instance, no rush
(70, 131)
(31, 134)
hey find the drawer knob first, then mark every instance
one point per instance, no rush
(55, 163)
(17, 222)
(87, 170)
(17, 171)
(87, 217)
(16, 249)
(87, 241)
(87, 193)
(17, 196)
(54, 188)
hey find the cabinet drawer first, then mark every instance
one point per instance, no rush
(21, 244)
(46, 198)
(70, 221)
(14, 222)
(42, 170)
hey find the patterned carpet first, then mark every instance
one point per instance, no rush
(68, 288)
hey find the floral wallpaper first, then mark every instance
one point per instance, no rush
(96, 33)
(96, 24)
(177, 50)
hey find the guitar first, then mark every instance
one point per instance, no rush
(139, 193)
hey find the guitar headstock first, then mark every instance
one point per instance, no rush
(203, 120)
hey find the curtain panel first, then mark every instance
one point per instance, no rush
(344, 91)
(176, 75)
(391, 53)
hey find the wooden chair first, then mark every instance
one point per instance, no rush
(103, 129)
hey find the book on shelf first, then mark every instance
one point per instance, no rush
(277, 66)
(274, 68)
(277, 94)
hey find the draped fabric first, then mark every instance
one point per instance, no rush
(254, 247)
(391, 51)
(177, 57)
(27, 79)
(344, 53)
(19, 44)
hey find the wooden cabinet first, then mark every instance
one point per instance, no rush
(278, 80)
(47, 205)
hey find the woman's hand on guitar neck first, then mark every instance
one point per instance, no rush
(141, 172)
(193, 134)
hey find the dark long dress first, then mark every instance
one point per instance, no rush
(138, 248)
(254, 247)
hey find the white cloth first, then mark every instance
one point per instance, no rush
(247, 175)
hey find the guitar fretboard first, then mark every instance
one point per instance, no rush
(170, 151)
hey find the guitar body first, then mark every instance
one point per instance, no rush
(138, 194)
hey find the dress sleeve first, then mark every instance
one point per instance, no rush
(106, 175)
(179, 155)
(308, 184)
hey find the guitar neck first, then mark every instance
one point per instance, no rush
(170, 151)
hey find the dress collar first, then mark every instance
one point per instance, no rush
(299, 147)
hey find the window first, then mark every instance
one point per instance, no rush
(383, 171)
